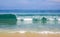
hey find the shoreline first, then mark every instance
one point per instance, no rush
(41, 32)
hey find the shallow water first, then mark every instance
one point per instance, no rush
(30, 25)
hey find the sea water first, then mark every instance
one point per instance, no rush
(27, 24)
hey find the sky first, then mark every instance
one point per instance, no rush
(30, 4)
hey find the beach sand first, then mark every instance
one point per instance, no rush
(28, 34)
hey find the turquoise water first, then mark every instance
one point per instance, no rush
(32, 25)
(29, 25)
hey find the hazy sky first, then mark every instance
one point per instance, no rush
(30, 4)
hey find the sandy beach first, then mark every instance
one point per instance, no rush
(28, 34)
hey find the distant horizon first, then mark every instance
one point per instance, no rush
(30, 11)
(27, 9)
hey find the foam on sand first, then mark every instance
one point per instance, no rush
(42, 32)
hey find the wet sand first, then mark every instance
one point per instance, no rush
(28, 34)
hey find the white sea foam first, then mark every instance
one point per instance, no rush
(28, 19)
(17, 31)
(41, 32)
(22, 31)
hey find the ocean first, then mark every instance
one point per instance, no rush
(32, 21)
